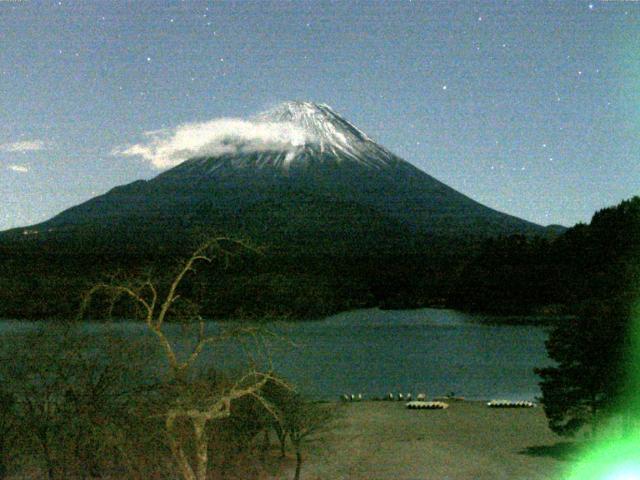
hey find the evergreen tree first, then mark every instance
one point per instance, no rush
(593, 351)
(589, 377)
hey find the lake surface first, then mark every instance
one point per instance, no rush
(432, 351)
(374, 352)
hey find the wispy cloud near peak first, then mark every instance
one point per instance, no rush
(169, 147)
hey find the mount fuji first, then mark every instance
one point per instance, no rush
(345, 222)
(323, 185)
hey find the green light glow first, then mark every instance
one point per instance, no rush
(615, 455)
(613, 458)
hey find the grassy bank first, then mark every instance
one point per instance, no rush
(468, 441)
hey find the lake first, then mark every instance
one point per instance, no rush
(374, 352)
(432, 351)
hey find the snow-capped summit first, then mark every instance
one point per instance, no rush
(318, 119)
(292, 135)
(328, 133)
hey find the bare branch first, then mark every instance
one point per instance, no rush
(198, 255)
(116, 291)
(156, 305)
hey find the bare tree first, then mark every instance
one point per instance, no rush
(304, 422)
(65, 393)
(198, 408)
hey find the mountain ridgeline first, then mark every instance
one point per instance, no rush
(344, 222)
(339, 189)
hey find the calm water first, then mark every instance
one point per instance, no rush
(374, 352)
(431, 351)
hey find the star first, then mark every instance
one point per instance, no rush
(444, 87)
(479, 19)
(591, 6)
(148, 59)
(579, 72)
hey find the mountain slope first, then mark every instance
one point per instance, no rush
(288, 195)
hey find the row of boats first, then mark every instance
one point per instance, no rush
(510, 404)
(400, 397)
(421, 403)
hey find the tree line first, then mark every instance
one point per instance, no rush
(512, 275)
(596, 351)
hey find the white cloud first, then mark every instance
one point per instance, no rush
(18, 168)
(23, 146)
(169, 147)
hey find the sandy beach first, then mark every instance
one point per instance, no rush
(467, 441)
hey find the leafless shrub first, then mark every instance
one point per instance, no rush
(190, 407)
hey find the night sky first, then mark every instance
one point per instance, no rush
(532, 108)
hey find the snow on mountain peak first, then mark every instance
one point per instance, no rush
(322, 124)
(292, 132)
(329, 133)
